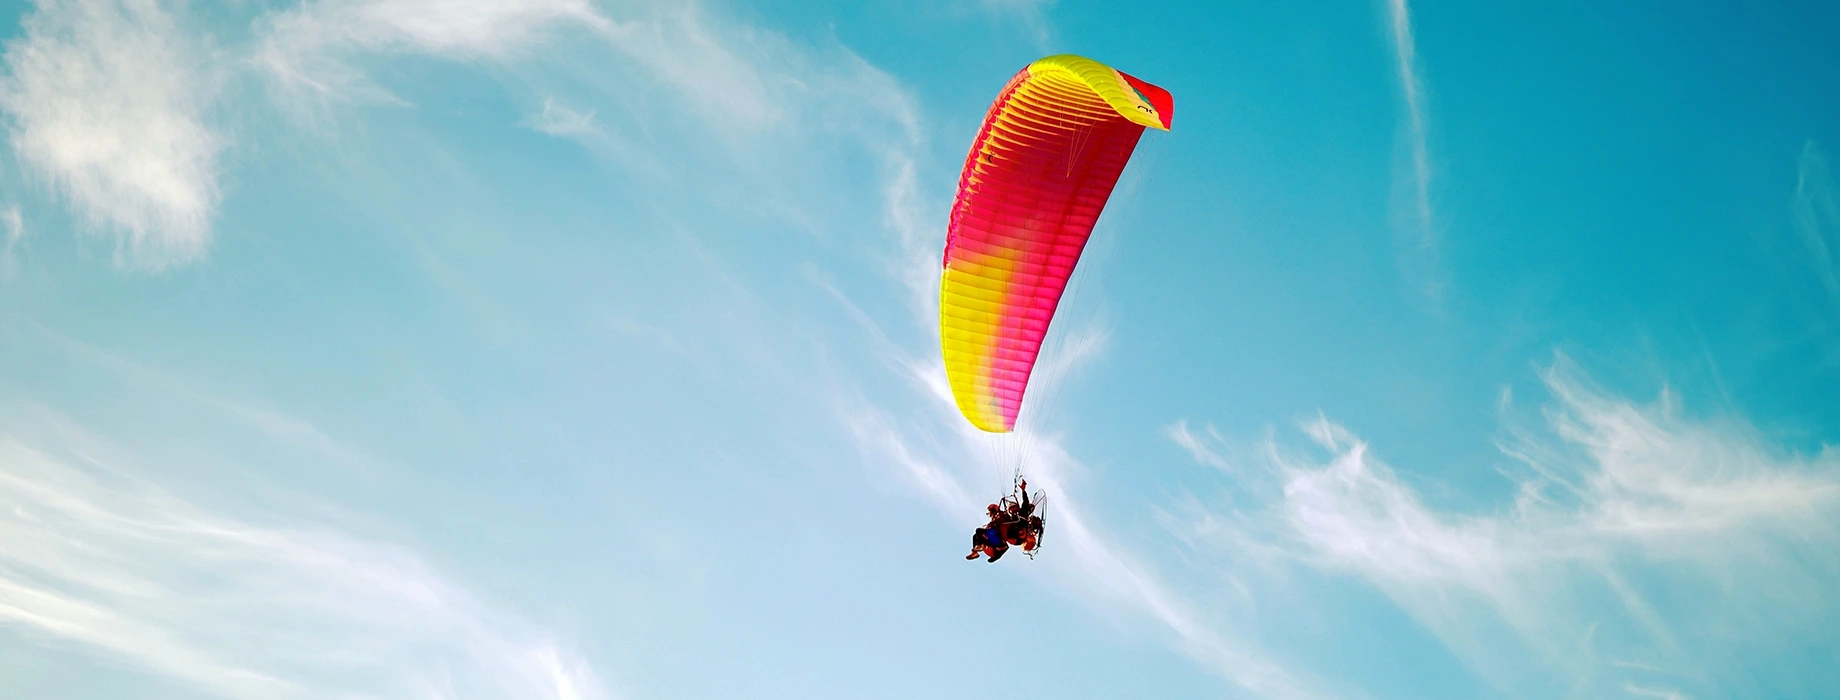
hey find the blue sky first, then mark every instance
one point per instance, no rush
(587, 350)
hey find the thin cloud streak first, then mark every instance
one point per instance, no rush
(239, 607)
(1405, 55)
(1407, 64)
(278, 427)
(1422, 223)
(15, 240)
(1619, 502)
(559, 120)
(918, 264)
(648, 73)
(309, 51)
(1816, 211)
(1658, 694)
(312, 52)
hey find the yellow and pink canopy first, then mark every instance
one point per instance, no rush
(1042, 167)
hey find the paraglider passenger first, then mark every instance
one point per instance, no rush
(989, 539)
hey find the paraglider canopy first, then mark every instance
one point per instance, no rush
(1039, 173)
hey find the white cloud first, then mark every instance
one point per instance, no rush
(106, 101)
(1634, 532)
(240, 606)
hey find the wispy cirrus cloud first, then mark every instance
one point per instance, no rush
(107, 104)
(1634, 534)
(559, 120)
(311, 51)
(1816, 211)
(127, 374)
(1419, 219)
(239, 605)
(1657, 693)
(639, 79)
(1405, 55)
(15, 225)
(733, 76)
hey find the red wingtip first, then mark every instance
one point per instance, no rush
(1158, 98)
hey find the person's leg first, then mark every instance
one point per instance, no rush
(979, 540)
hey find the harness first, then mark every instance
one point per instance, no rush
(994, 538)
